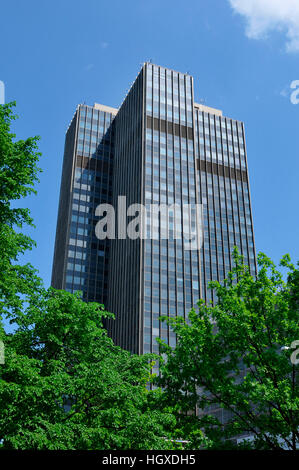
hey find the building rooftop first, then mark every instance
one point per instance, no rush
(207, 109)
(106, 109)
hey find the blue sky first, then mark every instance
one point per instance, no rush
(243, 56)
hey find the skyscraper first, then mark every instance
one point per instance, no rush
(80, 259)
(159, 147)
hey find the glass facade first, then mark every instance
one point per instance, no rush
(160, 147)
(89, 161)
(125, 268)
(171, 284)
(223, 189)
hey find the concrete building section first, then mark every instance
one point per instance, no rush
(105, 109)
(208, 109)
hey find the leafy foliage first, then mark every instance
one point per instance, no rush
(229, 357)
(65, 385)
(18, 173)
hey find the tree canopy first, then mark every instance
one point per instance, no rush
(232, 362)
(18, 173)
(65, 385)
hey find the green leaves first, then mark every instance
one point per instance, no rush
(228, 361)
(18, 169)
(61, 350)
(18, 174)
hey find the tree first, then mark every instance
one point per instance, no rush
(232, 356)
(18, 172)
(65, 385)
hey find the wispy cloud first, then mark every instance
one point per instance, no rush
(285, 92)
(264, 16)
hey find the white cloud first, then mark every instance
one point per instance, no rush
(285, 92)
(264, 16)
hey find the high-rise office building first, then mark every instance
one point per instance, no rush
(80, 259)
(159, 147)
